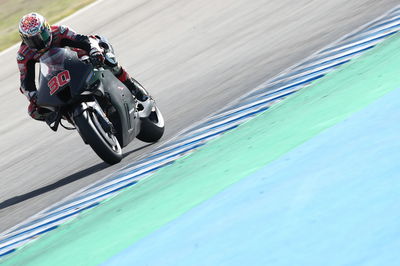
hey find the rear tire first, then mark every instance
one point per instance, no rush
(152, 127)
(104, 144)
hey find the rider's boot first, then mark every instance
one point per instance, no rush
(136, 89)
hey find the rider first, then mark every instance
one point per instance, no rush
(38, 36)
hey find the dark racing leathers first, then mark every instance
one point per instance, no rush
(62, 36)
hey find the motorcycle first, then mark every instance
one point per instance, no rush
(100, 107)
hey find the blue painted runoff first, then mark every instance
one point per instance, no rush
(334, 200)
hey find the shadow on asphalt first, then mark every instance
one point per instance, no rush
(62, 182)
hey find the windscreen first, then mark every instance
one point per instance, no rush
(52, 61)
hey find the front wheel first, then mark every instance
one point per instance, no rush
(104, 143)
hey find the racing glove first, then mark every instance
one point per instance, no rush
(32, 107)
(96, 57)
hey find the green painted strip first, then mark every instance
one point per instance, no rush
(108, 229)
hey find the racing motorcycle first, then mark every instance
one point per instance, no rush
(95, 103)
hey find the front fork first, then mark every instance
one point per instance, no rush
(94, 108)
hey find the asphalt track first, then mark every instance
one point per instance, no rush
(195, 56)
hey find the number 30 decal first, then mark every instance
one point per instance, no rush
(58, 81)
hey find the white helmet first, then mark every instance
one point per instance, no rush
(35, 31)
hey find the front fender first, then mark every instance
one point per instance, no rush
(79, 110)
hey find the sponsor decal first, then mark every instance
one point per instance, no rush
(63, 29)
(20, 57)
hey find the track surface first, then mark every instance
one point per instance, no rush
(195, 57)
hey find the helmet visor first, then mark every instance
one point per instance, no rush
(40, 40)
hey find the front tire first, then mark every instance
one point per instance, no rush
(104, 144)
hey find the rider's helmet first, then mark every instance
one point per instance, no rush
(35, 31)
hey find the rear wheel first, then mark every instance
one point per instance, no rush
(152, 127)
(102, 141)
